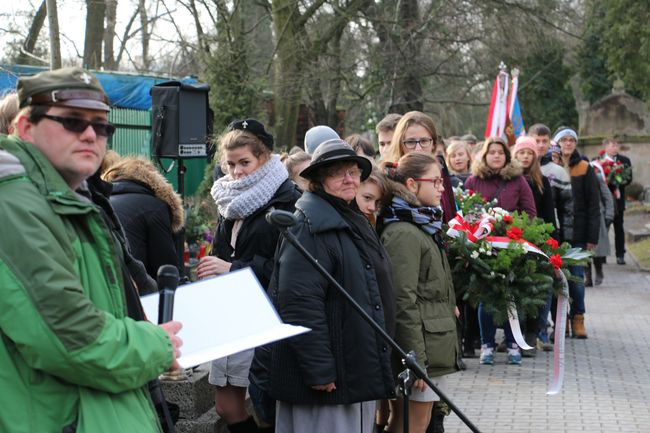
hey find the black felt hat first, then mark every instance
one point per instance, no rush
(333, 151)
(254, 127)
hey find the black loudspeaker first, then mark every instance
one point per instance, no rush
(181, 120)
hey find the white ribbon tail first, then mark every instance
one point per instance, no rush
(558, 345)
(513, 318)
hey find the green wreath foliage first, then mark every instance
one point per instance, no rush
(498, 277)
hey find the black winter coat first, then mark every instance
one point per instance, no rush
(341, 347)
(544, 201)
(147, 224)
(620, 201)
(586, 201)
(257, 239)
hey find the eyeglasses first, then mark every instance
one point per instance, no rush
(339, 174)
(424, 143)
(437, 181)
(75, 124)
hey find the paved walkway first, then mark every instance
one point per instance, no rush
(607, 377)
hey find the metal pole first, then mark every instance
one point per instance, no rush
(407, 359)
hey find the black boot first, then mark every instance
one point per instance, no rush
(438, 413)
(588, 281)
(246, 426)
(436, 425)
(598, 266)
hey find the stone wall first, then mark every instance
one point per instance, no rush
(625, 118)
(635, 148)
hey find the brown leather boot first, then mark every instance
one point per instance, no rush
(578, 326)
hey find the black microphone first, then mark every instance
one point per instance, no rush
(281, 218)
(167, 284)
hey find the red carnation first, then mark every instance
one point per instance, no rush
(618, 170)
(514, 233)
(602, 152)
(556, 261)
(470, 192)
(507, 219)
(607, 170)
(553, 243)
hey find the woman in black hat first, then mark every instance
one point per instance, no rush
(327, 380)
(255, 181)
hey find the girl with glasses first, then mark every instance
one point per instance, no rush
(495, 177)
(416, 132)
(410, 227)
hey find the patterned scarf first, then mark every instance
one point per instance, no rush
(237, 199)
(428, 218)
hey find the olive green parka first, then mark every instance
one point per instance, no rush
(424, 297)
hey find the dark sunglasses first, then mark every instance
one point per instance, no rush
(75, 124)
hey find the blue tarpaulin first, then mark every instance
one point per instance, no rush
(124, 90)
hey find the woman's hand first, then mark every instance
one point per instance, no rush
(327, 388)
(456, 312)
(172, 328)
(210, 266)
(420, 385)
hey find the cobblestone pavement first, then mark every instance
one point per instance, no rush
(606, 381)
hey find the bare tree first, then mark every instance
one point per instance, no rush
(32, 35)
(55, 42)
(109, 35)
(95, 15)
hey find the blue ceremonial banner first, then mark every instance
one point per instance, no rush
(516, 120)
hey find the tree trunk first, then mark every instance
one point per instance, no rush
(406, 89)
(55, 42)
(95, 14)
(146, 36)
(288, 83)
(335, 82)
(32, 35)
(109, 35)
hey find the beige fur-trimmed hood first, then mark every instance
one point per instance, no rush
(144, 171)
(511, 170)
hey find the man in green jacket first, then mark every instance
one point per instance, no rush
(70, 358)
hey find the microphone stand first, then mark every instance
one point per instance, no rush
(283, 220)
(167, 282)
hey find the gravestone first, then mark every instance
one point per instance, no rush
(617, 114)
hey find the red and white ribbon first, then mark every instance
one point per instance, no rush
(475, 231)
(503, 242)
(558, 345)
(513, 319)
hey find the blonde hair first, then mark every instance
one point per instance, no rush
(8, 111)
(379, 179)
(396, 150)
(293, 161)
(534, 173)
(453, 147)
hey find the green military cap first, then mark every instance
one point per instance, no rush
(67, 87)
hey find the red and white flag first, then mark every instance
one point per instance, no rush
(498, 114)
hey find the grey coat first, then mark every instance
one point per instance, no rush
(606, 218)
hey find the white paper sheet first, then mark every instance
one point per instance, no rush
(222, 316)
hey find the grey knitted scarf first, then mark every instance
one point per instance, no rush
(237, 199)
